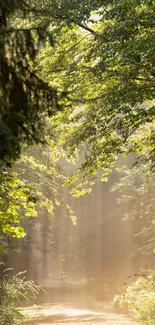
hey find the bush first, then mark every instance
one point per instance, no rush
(139, 298)
(14, 289)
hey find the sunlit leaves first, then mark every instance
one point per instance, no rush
(109, 75)
(14, 288)
(100, 68)
(16, 199)
(139, 297)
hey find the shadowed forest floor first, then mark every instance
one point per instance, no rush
(72, 314)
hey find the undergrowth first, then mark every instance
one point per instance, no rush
(139, 298)
(14, 289)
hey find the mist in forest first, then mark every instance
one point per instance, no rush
(87, 260)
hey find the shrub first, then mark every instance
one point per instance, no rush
(14, 289)
(140, 298)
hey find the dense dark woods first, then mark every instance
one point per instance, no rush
(25, 98)
(77, 153)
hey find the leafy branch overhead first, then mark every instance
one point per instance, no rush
(26, 98)
(78, 75)
(16, 199)
(97, 56)
(107, 77)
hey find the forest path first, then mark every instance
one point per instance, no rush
(58, 314)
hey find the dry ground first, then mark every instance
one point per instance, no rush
(71, 314)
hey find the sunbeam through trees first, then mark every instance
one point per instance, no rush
(77, 161)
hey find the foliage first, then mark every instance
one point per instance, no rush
(38, 183)
(100, 62)
(16, 199)
(14, 289)
(46, 169)
(94, 63)
(106, 73)
(140, 297)
(25, 98)
(96, 56)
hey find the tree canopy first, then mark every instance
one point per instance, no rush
(77, 75)
(26, 98)
(107, 71)
(97, 56)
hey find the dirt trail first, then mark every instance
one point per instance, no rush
(58, 314)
